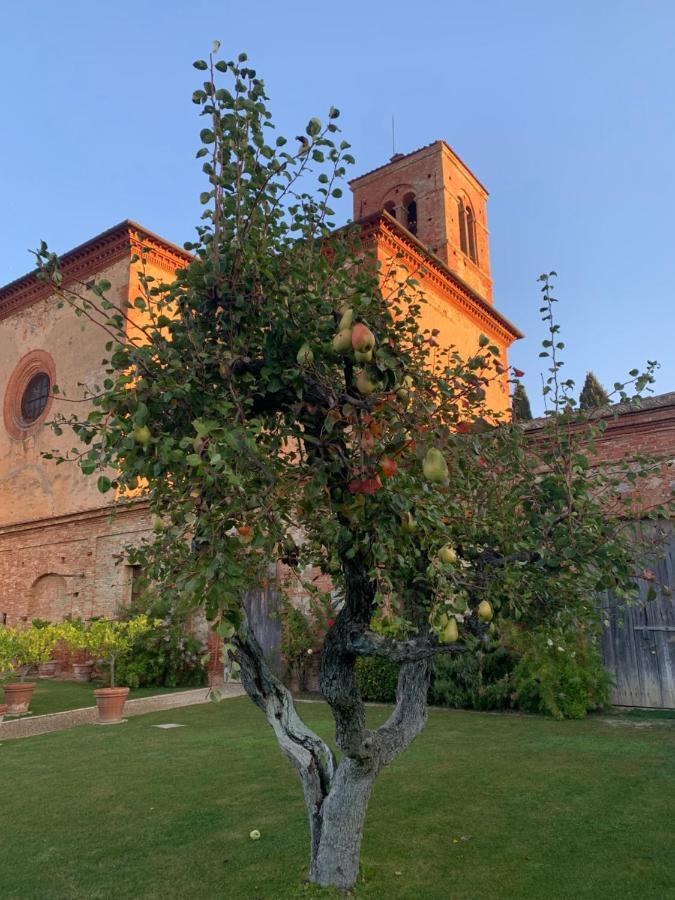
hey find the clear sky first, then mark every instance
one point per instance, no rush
(565, 110)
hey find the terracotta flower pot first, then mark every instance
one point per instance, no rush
(18, 697)
(48, 669)
(3, 710)
(110, 702)
(82, 671)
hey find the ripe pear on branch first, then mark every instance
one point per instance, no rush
(342, 342)
(363, 338)
(446, 628)
(485, 611)
(365, 384)
(447, 554)
(435, 467)
(305, 356)
(347, 318)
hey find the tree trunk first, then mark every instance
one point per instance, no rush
(335, 862)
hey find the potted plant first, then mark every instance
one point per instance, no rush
(7, 654)
(107, 640)
(27, 647)
(82, 669)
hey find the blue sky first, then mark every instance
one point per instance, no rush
(565, 110)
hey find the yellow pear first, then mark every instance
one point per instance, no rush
(485, 610)
(408, 523)
(142, 435)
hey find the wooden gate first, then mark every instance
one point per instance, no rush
(262, 610)
(638, 644)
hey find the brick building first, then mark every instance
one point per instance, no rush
(58, 535)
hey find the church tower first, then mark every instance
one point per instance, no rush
(441, 202)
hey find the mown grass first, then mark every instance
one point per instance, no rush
(481, 806)
(52, 696)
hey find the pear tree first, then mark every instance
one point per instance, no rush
(278, 400)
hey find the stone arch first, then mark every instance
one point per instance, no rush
(48, 598)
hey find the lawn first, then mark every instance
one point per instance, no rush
(481, 806)
(52, 696)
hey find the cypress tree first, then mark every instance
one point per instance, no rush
(592, 394)
(520, 404)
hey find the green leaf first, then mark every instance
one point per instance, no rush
(103, 484)
(200, 64)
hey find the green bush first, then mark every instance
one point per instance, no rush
(164, 656)
(564, 679)
(473, 681)
(377, 679)
(560, 675)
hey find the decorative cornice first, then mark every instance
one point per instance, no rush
(102, 512)
(381, 228)
(92, 257)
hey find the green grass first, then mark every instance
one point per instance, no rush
(481, 807)
(56, 696)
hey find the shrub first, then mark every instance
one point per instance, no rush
(473, 681)
(377, 679)
(563, 678)
(164, 656)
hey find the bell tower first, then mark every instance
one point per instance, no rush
(432, 194)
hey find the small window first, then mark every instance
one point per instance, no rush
(410, 210)
(471, 234)
(462, 225)
(35, 397)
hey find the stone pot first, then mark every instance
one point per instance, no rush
(82, 671)
(48, 669)
(110, 703)
(18, 696)
(3, 710)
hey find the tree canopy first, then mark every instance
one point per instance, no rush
(593, 395)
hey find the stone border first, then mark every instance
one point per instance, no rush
(29, 725)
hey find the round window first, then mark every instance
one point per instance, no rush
(29, 394)
(35, 397)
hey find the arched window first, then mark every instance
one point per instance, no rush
(467, 231)
(462, 225)
(390, 207)
(410, 209)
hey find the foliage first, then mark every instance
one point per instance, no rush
(561, 676)
(106, 639)
(474, 681)
(164, 655)
(593, 395)
(540, 671)
(520, 404)
(303, 633)
(377, 679)
(22, 648)
(279, 400)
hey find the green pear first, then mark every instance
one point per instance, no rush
(408, 523)
(342, 342)
(363, 357)
(485, 611)
(364, 383)
(141, 434)
(450, 632)
(347, 317)
(447, 554)
(435, 467)
(305, 356)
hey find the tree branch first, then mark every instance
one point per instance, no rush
(369, 643)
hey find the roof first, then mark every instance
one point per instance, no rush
(438, 263)
(90, 258)
(659, 401)
(399, 156)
